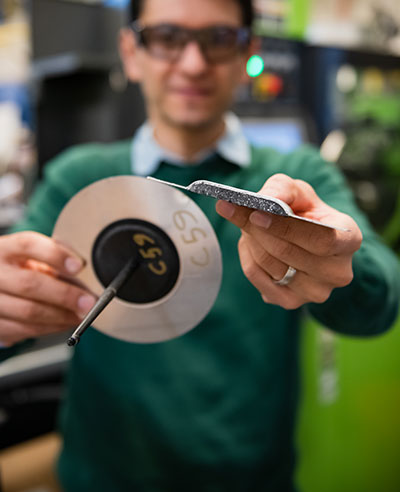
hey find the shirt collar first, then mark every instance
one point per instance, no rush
(147, 154)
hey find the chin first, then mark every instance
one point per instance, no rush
(194, 121)
(192, 114)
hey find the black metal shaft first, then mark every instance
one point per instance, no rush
(106, 297)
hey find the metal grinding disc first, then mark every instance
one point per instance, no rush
(180, 266)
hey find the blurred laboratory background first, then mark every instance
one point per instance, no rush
(327, 73)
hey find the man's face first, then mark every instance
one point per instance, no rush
(188, 92)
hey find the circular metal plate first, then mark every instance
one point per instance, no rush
(114, 199)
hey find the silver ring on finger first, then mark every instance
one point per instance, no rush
(287, 278)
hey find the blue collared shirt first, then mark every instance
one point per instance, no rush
(147, 154)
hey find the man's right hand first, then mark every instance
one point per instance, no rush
(36, 296)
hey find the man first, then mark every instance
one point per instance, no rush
(214, 409)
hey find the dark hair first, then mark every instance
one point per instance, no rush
(245, 5)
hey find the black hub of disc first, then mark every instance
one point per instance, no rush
(158, 260)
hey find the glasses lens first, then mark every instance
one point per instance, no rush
(221, 43)
(164, 41)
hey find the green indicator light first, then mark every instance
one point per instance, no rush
(255, 66)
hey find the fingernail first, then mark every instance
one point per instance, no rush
(85, 303)
(260, 219)
(73, 265)
(265, 299)
(225, 209)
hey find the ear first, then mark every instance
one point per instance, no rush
(253, 48)
(128, 53)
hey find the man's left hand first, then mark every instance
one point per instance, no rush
(270, 244)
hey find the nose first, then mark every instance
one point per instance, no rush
(192, 60)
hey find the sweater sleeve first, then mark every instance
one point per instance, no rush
(369, 304)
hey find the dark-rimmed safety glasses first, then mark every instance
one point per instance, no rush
(218, 43)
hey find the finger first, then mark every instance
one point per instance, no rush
(12, 331)
(38, 266)
(311, 261)
(275, 268)
(32, 245)
(337, 270)
(318, 240)
(271, 293)
(278, 186)
(234, 213)
(19, 309)
(305, 289)
(41, 287)
(301, 197)
(298, 194)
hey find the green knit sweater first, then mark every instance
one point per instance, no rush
(214, 409)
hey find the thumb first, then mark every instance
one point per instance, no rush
(298, 194)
